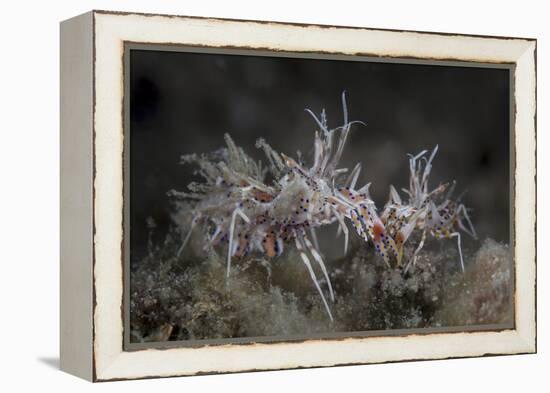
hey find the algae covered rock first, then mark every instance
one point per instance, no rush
(190, 298)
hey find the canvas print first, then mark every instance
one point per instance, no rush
(278, 197)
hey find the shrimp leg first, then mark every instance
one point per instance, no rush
(344, 228)
(415, 254)
(314, 238)
(188, 235)
(321, 263)
(446, 234)
(236, 212)
(306, 261)
(471, 231)
(457, 235)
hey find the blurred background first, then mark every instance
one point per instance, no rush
(183, 103)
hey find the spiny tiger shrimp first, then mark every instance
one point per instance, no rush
(250, 215)
(423, 212)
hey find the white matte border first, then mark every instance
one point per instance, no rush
(112, 30)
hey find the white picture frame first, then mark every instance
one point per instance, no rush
(92, 194)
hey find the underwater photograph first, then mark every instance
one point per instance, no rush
(287, 196)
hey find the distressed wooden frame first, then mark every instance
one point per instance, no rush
(92, 194)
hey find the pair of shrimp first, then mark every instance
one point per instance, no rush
(249, 215)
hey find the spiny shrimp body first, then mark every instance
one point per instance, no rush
(250, 216)
(422, 213)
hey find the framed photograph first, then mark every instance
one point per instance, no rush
(245, 195)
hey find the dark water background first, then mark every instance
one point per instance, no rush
(184, 102)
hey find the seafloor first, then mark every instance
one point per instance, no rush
(189, 297)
